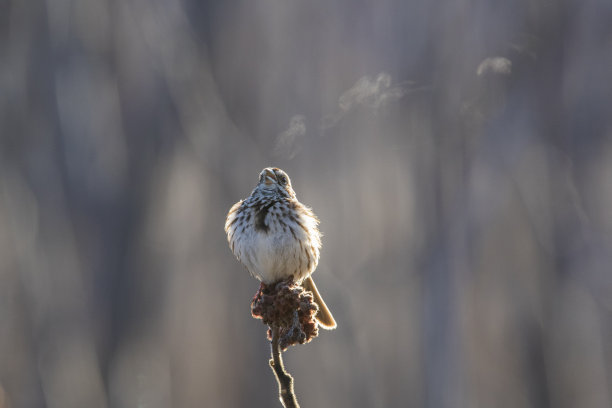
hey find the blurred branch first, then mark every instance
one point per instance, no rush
(285, 381)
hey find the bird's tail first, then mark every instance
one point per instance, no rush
(323, 316)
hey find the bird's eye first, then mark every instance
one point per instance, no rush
(282, 179)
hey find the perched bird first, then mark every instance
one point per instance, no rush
(276, 237)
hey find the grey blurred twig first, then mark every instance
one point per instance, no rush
(284, 379)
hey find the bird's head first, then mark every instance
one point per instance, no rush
(274, 181)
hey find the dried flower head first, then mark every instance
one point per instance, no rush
(289, 307)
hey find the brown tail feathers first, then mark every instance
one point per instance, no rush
(323, 316)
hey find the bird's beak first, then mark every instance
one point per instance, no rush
(270, 177)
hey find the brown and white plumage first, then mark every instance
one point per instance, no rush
(275, 236)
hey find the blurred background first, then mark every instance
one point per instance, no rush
(458, 154)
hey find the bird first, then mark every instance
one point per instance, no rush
(276, 237)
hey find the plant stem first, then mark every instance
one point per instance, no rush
(285, 381)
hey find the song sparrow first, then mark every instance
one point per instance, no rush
(276, 237)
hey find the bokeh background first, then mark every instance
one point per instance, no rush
(458, 154)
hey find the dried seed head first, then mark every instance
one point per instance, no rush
(289, 307)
